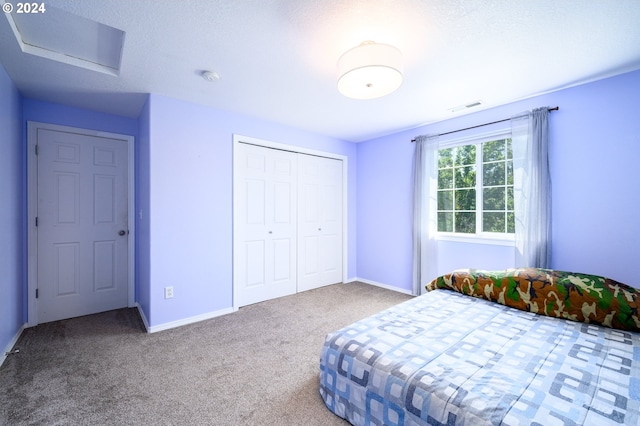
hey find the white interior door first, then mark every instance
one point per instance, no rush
(82, 213)
(319, 221)
(265, 215)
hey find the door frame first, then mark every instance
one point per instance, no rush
(32, 210)
(238, 139)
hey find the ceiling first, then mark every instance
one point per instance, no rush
(277, 58)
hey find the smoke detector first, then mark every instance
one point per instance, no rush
(210, 76)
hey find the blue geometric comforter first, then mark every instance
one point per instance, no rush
(444, 358)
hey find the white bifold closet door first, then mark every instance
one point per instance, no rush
(287, 223)
(265, 224)
(319, 221)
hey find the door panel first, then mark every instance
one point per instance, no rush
(82, 205)
(282, 260)
(282, 203)
(309, 258)
(66, 187)
(254, 200)
(254, 272)
(66, 269)
(104, 259)
(104, 202)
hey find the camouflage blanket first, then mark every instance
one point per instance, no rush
(568, 295)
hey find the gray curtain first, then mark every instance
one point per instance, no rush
(532, 188)
(425, 186)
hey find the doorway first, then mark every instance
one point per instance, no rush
(81, 227)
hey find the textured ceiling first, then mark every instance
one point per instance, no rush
(277, 58)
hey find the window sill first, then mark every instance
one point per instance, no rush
(478, 239)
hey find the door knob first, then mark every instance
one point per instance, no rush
(122, 232)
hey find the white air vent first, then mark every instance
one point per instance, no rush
(466, 106)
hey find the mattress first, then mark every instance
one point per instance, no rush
(445, 358)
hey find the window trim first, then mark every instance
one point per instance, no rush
(501, 133)
(489, 238)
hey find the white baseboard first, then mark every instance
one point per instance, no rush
(377, 284)
(184, 321)
(144, 318)
(11, 344)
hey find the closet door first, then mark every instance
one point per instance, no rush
(319, 221)
(265, 224)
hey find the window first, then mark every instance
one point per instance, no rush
(475, 189)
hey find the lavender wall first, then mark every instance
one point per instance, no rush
(595, 178)
(46, 112)
(12, 225)
(384, 210)
(190, 203)
(595, 144)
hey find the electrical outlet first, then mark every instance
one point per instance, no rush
(168, 292)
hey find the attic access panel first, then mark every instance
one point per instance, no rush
(71, 39)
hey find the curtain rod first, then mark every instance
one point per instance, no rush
(481, 125)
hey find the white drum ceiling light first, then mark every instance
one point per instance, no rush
(370, 70)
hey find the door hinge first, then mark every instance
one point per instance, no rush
(36, 149)
(36, 220)
(36, 293)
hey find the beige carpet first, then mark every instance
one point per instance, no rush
(257, 366)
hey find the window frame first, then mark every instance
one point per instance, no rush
(491, 238)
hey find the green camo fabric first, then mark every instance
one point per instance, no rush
(568, 295)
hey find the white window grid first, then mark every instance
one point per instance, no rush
(486, 237)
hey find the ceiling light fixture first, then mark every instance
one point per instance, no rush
(370, 70)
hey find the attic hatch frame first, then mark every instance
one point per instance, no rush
(71, 58)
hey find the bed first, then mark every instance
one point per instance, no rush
(515, 347)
